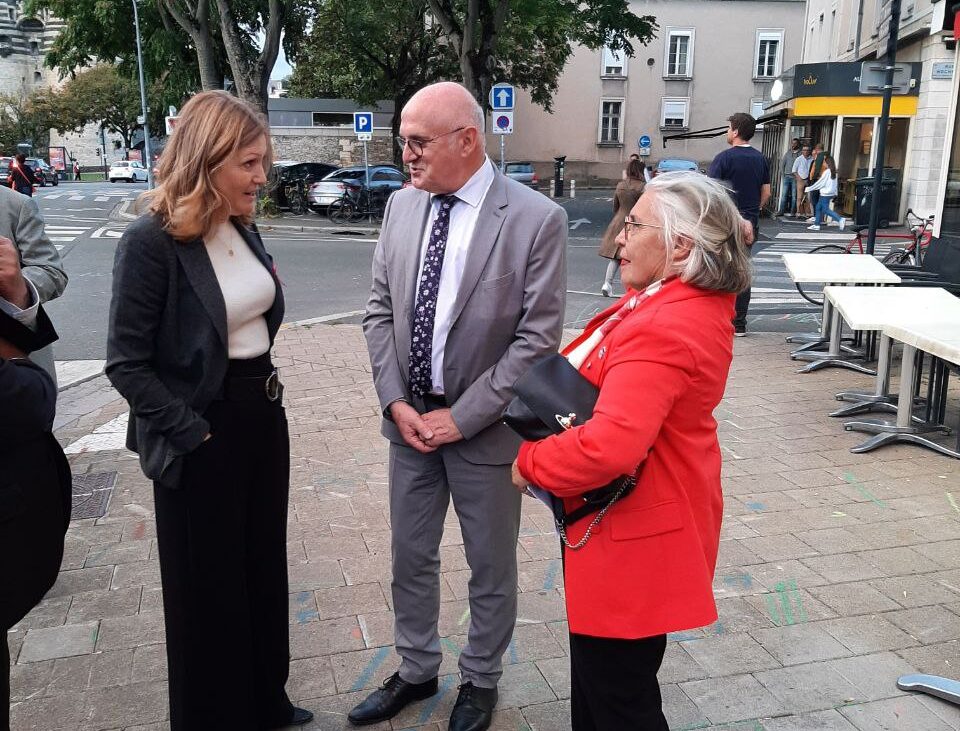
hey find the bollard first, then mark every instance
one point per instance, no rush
(573, 188)
(552, 191)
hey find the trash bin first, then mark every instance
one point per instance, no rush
(887, 205)
(558, 164)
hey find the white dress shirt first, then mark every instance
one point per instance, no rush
(27, 316)
(463, 222)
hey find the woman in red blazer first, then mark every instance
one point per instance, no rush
(660, 358)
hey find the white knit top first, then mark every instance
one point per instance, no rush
(248, 291)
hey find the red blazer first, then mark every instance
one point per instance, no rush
(648, 568)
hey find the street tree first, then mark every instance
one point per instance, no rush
(528, 42)
(367, 51)
(28, 119)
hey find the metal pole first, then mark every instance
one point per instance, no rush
(502, 166)
(366, 173)
(890, 59)
(143, 100)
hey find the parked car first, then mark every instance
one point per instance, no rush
(45, 174)
(384, 179)
(285, 172)
(522, 172)
(129, 170)
(670, 164)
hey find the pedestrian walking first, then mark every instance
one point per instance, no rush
(21, 177)
(826, 189)
(816, 169)
(35, 484)
(625, 198)
(22, 223)
(469, 282)
(801, 172)
(744, 170)
(76, 170)
(788, 183)
(196, 306)
(660, 358)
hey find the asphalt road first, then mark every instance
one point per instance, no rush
(327, 275)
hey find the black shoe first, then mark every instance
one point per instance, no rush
(300, 716)
(474, 708)
(388, 701)
(739, 331)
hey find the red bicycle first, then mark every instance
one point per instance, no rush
(917, 240)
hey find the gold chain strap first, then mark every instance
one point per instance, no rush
(627, 482)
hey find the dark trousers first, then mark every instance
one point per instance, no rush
(814, 199)
(613, 683)
(223, 564)
(743, 299)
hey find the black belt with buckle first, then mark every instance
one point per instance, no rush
(253, 388)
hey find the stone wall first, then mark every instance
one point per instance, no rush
(331, 145)
(83, 145)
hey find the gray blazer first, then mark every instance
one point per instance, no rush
(22, 223)
(508, 313)
(167, 340)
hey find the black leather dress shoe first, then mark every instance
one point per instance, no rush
(473, 710)
(300, 716)
(388, 701)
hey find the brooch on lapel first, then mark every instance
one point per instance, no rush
(602, 352)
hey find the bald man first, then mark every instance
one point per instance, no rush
(469, 282)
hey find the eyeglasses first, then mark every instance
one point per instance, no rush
(627, 223)
(416, 146)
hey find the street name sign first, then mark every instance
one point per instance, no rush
(873, 77)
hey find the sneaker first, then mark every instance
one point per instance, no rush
(843, 223)
(811, 220)
(607, 289)
(739, 331)
(814, 227)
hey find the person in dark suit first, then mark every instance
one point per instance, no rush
(196, 306)
(35, 483)
(660, 358)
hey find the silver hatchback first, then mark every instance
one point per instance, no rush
(522, 172)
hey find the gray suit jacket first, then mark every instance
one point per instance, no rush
(22, 223)
(508, 313)
(167, 341)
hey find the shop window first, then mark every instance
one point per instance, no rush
(756, 109)
(674, 113)
(611, 122)
(614, 62)
(768, 51)
(679, 52)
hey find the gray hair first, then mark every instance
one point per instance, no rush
(698, 209)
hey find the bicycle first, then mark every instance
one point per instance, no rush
(296, 195)
(355, 206)
(918, 238)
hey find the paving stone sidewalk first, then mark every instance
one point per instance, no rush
(838, 572)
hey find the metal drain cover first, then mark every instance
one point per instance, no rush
(91, 494)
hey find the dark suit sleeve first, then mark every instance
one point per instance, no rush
(538, 332)
(378, 328)
(28, 400)
(140, 281)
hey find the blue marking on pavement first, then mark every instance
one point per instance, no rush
(512, 649)
(376, 661)
(306, 614)
(551, 577)
(739, 580)
(756, 507)
(431, 705)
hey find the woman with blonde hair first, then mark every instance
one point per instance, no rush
(644, 566)
(196, 306)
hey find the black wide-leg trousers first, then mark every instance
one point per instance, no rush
(613, 683)
(223, 564)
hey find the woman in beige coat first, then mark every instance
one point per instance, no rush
(625, 198)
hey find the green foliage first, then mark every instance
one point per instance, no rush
(29, 118)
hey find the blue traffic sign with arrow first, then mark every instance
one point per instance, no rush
(501, 97)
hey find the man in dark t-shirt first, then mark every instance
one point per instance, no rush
(746, 174)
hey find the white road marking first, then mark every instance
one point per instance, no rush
(111, 435)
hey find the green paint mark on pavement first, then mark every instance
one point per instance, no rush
(953, 503)
(849, 477)
(452, 646)
(785, 604)
(464, 617)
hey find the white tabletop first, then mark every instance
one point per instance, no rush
(838, 269)
(870, 308)
(941, 339)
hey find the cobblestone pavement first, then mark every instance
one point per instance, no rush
(838, 572)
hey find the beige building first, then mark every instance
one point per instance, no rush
(819, 100)
(710, 58)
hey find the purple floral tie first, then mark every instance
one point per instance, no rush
(421, 340)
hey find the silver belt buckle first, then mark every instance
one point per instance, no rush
(272, 386)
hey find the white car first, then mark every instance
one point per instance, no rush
(129, 170)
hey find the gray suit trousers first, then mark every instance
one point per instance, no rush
(488, 507)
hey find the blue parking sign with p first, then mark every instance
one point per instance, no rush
(362, 122)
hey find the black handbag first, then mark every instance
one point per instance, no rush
(550, 398)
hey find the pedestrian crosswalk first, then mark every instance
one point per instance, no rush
(62, 235)
(99, 195)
